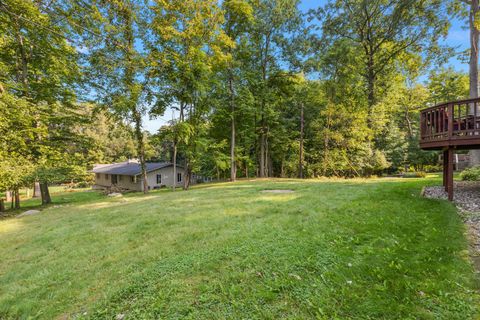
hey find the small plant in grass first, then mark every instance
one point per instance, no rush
(417, 174)
(471, 174)
(432, 168)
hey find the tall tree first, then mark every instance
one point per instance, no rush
(274, 19)
(474, 25)
(116, 68)
(186, 46)
(474, 38)
(382, 31)
(238, 18)
(40, 68)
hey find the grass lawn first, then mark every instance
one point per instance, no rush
(337, 249)
(61, 194)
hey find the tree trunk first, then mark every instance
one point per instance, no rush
(409, 124)
(370, 85)
(473, 70)
(474, 37)
(8, 196)
(17, 198)
(36, 190)
(300, 164)
(141, 149)
(131, 91)
(262, 151)
(263, 138)
(46, 199)
(188, 178)
(268, 162)
(233, 165)
(255, 145)
(174, 165)
(23, 73)
(2, 205)
(270, 172)
(326, 142)
(186, 175)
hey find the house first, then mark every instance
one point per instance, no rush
(127, 175)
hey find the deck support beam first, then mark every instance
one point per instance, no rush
(445, 169)
(448, 166)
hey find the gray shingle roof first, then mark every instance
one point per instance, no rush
(129, 168)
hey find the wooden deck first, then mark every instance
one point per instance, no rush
(450, 126)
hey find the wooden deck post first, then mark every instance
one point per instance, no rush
(445, 168)
(450, 173)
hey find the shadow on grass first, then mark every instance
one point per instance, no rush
(73, 196)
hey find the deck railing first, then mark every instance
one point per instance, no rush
(451, 124)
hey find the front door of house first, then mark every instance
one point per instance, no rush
(114, 179)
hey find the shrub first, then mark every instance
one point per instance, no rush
(417, 174)
(433, 168)
(83, 184)
(471, 174)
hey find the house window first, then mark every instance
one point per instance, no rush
(119, 178)
(159, 179)
(179, 177)
(106, 177)
(97, 175)
(132, 179)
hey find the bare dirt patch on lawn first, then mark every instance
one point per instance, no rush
(278, 191)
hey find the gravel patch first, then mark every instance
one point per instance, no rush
(466, 196)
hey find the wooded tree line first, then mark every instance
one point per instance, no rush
(259, 87)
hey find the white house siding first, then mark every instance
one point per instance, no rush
(167, 177)
(102, 181)
(125, 182)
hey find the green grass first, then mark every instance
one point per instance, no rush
(60, 196)
(335, 249)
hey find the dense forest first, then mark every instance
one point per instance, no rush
(259, 88)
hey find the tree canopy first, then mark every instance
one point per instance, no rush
(259, 87)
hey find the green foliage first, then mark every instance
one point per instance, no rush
(62, 174)
(416, 174)
(448, 85)
(382, 32)
(238, 66)
(470, 174)
(40, 72)
(15, 173)
(109, 138)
